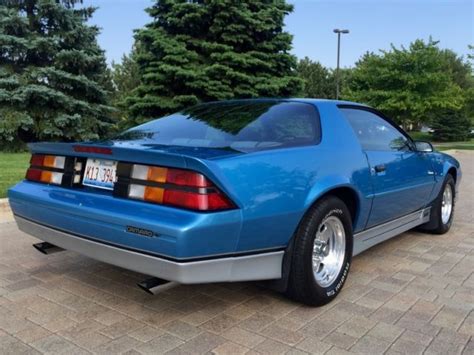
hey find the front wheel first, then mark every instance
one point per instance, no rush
(442, 210)
(322, 253)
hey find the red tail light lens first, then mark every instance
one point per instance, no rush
(217, 201)
(176, 187)
(186, 178)
(195, 201)
(33, 174)
(37, 160)
(185, 199)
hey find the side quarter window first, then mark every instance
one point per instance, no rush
(373, 132)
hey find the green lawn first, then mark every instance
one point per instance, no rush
(454, 145)
(420, 136)
(424, 136)
(12, 169)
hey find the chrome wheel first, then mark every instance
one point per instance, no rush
(447, 204)
(329, 251)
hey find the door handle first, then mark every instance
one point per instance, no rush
(379, 168)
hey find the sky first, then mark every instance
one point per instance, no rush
(373, 25)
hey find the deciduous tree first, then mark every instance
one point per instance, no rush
(410, 84)
(319, 81)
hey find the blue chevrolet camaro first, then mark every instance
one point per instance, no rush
(281, 190)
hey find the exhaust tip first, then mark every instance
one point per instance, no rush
(150, 285)
(47, 248)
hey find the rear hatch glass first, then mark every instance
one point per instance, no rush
(242, 126)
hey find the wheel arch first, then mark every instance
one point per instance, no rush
(347, 194)
(344, 192)
(453, 172)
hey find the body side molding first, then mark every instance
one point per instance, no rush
(375, 235)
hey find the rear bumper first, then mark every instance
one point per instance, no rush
(172, 233)
(261, 266)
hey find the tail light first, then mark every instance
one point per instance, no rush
(166, 186)
(176, 187)
(51, 169)
(46, 168)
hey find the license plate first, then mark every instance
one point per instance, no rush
(100, 173)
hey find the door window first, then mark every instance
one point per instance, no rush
(375, 133)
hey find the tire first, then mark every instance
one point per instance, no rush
(439, 223)
(331, 218)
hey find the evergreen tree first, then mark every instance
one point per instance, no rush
(125, 77)
(52, 73)
(204, 50)
(450, 126)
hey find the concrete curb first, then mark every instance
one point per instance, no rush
(450, 151)
(4, 205)
(458, 151)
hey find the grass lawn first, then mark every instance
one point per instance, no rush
(424, 136)
(454, 145)
(12, 169)
(420, 136)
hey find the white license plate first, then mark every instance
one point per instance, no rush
(100, 173)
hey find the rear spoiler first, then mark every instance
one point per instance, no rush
(127, 153)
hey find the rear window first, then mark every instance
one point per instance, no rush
(238, 125)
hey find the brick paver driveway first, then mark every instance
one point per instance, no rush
(413, 294)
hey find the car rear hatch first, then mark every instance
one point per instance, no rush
(110, 215)
(133, 152)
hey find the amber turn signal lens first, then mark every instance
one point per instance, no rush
(154, 194)
(157, 174)
(49, 161)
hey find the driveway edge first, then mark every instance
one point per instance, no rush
(4, 205)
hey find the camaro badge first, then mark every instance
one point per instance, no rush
(140, 231)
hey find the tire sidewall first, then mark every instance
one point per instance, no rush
(446, 226)
(337, 209)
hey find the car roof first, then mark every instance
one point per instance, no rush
(314, 101)
(326, 101)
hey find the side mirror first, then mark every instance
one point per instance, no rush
(423, 147)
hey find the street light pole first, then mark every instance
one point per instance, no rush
(338, 31)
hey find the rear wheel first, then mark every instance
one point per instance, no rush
(322, 253)
(442, 210)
